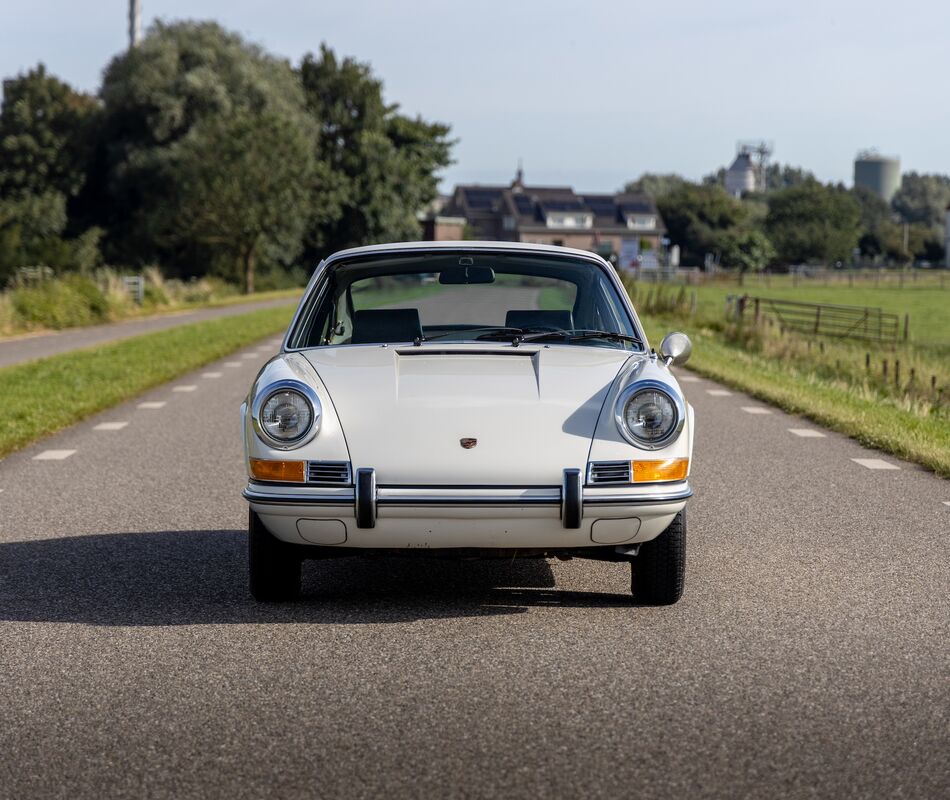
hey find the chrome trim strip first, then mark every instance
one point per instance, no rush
(347, 499)
(275, 499)
(471, 500)
(641, 500)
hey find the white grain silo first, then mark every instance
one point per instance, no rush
(740, 177)
(880, 174)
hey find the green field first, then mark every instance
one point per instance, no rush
(44, 396)
(927, 305)
(893, 397)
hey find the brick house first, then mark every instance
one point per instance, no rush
(609, 224)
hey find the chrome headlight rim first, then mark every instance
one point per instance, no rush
(308, 394)
(679, 406)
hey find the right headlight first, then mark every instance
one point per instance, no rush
(649, 414)
(286, 414)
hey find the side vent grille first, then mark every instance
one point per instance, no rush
(608, 472)
(335, 472)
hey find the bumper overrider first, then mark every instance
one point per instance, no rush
(368, 515)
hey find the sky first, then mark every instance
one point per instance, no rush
(588, 93)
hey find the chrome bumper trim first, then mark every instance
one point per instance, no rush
(549, 498)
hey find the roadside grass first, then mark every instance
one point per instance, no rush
(912, 423)
(11, 328)
(258, 297)
(42, 397)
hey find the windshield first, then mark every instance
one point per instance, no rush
(466, 297)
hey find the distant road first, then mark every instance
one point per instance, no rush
(27, 348)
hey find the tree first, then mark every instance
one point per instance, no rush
(44, 136)
(745, 249)
(923, 199)
(383, 164)
(876, 221)
(812, 222)
(242, 189)
(696, 216)
(656, 185)
(181, 76)
(784, 176)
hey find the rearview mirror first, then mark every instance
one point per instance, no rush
(675, 349)
(455, 276)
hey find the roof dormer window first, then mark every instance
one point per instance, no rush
(569, 219)
(641, 222)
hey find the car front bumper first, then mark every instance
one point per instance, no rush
(402, 517)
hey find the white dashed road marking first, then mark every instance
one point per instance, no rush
(232, 363)
(211, 374)
(188, 388)
(264, 347)
(945, 502)
(807, 433)
(874, 463)
(250, 355)
(719, 392)
(110, 426)
(53, 455)
(688, 379)
(756, 410)
(152, 404)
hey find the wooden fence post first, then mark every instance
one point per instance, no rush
(906, 325)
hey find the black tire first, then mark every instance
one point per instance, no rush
(659, 569)
(273, 565)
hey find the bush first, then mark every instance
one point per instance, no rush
(278, 278)
(64, 303)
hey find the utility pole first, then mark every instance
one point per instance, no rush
(135, 23)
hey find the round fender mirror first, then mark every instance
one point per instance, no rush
(675, 349)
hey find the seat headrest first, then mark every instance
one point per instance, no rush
(385, 326)
(547, 320)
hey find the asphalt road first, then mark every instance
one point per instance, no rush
(48, 343)
(807, 658)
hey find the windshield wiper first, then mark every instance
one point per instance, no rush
(580, 334)
(492, 330)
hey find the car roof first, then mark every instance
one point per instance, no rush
(395, 247)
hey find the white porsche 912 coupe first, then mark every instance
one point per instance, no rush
(468, 399)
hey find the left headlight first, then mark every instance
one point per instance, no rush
(649, 414)
(286, 414)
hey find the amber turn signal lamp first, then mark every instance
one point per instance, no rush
(288, 471)
(669, 469)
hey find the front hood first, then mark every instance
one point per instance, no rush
(405, 410)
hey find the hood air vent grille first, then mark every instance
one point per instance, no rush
(608, 472)
(335, 472)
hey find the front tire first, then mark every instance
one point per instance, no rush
(273, 566)
(659, 568)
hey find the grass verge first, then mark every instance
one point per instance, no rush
(892, 424)
(45, 396)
